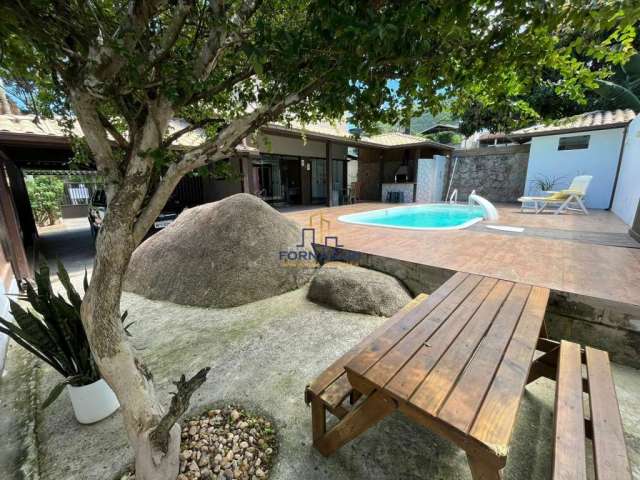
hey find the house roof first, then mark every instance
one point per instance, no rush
(440, 127)
(397, 139)
(340, 133)
(493, 136)
(597, 120)
(26, 129)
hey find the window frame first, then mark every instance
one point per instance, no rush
(573, 143)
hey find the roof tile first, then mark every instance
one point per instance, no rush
(598, 119)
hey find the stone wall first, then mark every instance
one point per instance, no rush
(496, 173)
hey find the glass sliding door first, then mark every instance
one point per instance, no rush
(338, 185)
(318, 180)
(278, 179)
(268, 179)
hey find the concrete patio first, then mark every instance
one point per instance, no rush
(262, 355)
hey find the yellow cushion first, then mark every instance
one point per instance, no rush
(563, 195)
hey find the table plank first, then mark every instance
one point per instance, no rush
(569, 461)
(465, 399)
(442, 378)
(444, 299)
(336, 369)
(495, 420)
(611, 459)
(406, 366)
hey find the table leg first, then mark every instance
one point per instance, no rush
(360, 419)
(318, 419)
(483, 470)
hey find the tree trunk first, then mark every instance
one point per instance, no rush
(119, 365)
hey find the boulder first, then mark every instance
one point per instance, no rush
(355, 289)
(220, 254)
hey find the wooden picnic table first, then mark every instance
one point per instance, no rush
(456, 363)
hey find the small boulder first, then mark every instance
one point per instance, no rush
(220, 254)
(355, 289)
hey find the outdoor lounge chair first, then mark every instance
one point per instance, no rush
(569, 199)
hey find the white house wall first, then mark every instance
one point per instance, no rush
(295, 146)
(627, 194)
(599, 160)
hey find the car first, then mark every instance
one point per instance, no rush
(98, 209)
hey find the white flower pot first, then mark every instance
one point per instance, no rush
(93, 402)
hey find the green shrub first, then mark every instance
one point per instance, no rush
(45, 195)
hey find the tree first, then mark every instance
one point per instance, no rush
(622, 90)
(45, 194)
(553, 95)
(124, 69)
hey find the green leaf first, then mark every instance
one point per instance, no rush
(72, 295)
(617, 96)
(55, 393)
(85, 281)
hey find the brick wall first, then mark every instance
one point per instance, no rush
(497, 173)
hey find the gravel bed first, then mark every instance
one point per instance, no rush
(225, 444)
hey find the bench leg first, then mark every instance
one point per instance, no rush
(357, 421)
(483, 470)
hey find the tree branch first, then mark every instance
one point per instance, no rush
(241, 76)
(95, 134)
(213, 151)
(190, 128)
(159, 437)
(110, 61)
(117, 136)
(220, 37)
(173, 30)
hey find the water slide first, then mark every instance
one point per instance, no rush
(490, 212)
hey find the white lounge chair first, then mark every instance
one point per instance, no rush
(569, 199)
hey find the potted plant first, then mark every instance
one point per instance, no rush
(52, 331)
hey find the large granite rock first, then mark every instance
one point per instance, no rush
(220, 254)
(355, 289)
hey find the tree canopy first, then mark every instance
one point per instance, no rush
(215, 60)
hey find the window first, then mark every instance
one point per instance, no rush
(574, 143)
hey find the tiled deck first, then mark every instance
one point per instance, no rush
(601, 271)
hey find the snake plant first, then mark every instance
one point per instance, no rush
(52, 330)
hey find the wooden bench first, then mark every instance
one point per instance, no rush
(332, 388)
(603, 425)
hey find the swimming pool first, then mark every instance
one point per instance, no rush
(434, 216)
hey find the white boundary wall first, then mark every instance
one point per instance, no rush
(627, 194)
(599, 160)
(430, 179)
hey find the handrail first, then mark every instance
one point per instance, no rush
(454, 196)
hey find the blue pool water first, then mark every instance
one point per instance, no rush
(420, 217)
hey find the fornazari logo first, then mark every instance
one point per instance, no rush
(306, 253)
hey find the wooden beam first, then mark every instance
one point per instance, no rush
(329, 170)
(10, 228)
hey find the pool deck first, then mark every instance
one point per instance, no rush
(569, 252)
